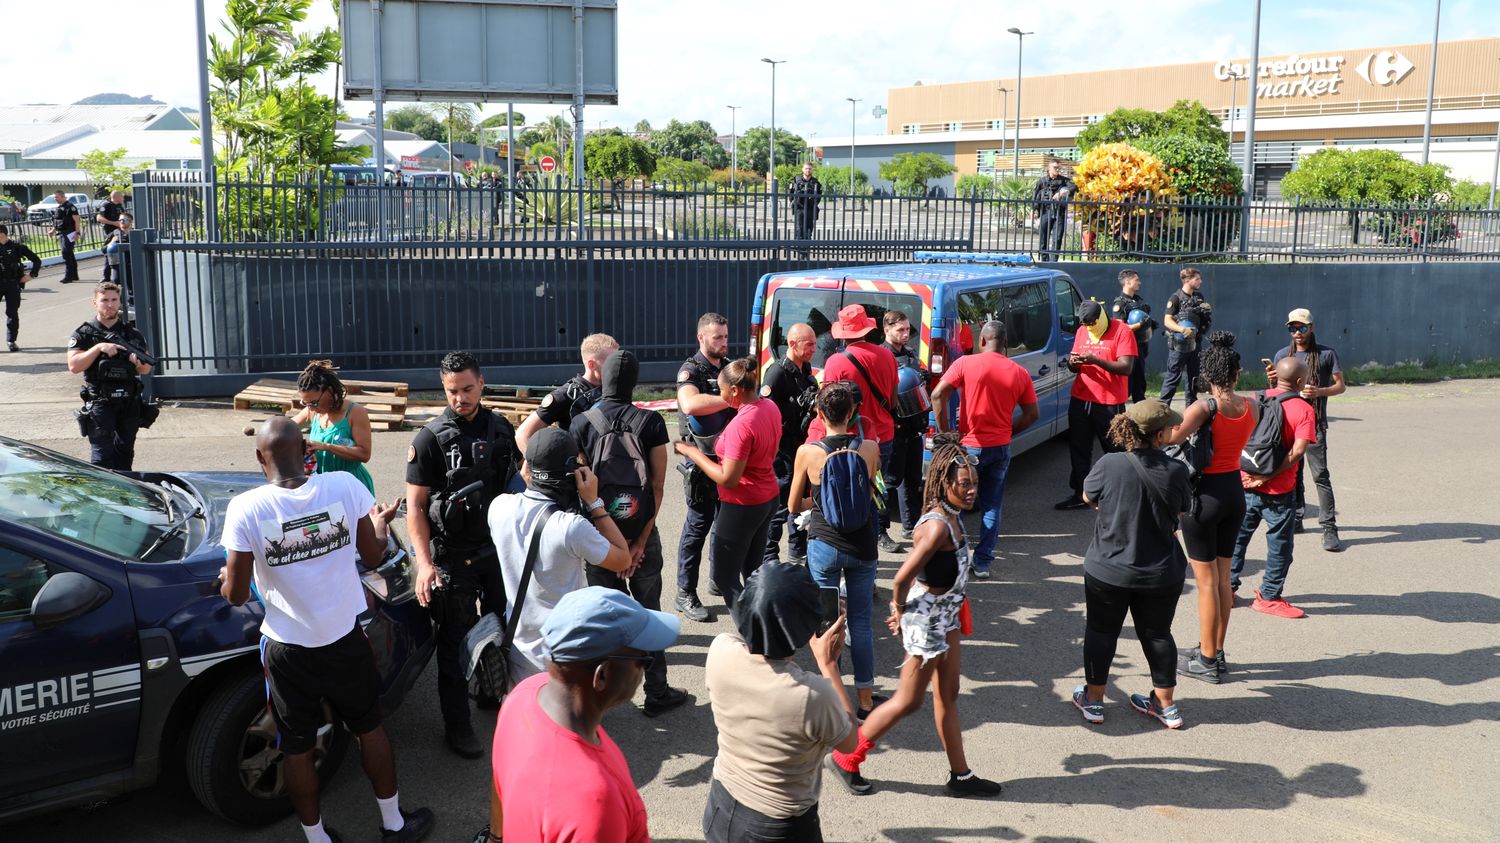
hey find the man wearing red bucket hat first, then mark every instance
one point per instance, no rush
(872, 368)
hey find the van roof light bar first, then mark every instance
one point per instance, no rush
(1001, 258)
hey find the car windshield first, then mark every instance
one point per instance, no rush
(820, 309)
(80, 502)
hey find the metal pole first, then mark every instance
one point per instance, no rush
(853, 103)
(1495, 167)
(510, 159)
(771, 171)
(377, 93)
(206, 131)
(734, 147)
(1234, 81)
(1004, 115)
(1015, 169)
(1251, 96)
(578, 110)
(1437, 22)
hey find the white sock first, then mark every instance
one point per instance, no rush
(316, 834)
(390, 812)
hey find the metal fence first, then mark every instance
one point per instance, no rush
(38, 236)
(629, 217)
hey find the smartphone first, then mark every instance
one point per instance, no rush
(1265, 361)
(828, 607)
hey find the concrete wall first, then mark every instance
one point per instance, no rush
(1369, 312)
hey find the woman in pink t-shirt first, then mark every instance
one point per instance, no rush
(746, 479)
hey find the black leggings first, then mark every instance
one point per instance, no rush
(1151, 609)
(1221, 509)
(738, 545)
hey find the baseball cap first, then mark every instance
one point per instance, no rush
(1301, 315)
(1089, 312)
(595, 622)
(1152, 415)
(551, 455)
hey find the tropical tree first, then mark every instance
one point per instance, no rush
(499, 120)
(836, 179)
(610, 157)
(676, 171)
(457, 120)
(105, 171)
(911, 171)
(755, 148)
(695, 141)
(1364, 175)
(417, 120)
(1125, 125)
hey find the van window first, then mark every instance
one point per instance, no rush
(820, 309)
(1028, 318)
(21, 577)
(1067, 305)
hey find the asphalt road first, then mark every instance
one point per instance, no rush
(1373, 719)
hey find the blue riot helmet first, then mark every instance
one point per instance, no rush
(911, 393)
(1136, 318)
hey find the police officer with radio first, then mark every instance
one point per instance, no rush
(575, 397)
(1128, 301)
(1187, 318)
(111, 355)
(790, 385)
(13, 278)
(701, 416)
(903, 491)
(455, 466)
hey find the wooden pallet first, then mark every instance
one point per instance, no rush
(506, 390)
(385, 401)
(514, 409)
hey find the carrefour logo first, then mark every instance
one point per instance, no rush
(1384, 68)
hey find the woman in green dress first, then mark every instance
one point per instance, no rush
(338, 433)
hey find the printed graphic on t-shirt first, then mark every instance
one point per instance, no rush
(305, 537)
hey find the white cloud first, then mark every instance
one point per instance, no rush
(690, 58)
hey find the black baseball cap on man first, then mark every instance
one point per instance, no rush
(1089, 312)
(552, 457)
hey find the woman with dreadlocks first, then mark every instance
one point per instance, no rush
(926, 600)
(1212, 523)
(338, 431)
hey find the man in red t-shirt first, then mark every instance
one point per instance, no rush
(1273, 498)
(557, 774)
(1103, 354)
(993, 387)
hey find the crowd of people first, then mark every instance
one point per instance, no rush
(552, 528)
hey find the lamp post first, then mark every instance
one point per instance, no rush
(1015, 169)
(1437, 22)
(1251, 96)
(852, 104)
(1004, 111)
(1495, 167)
(734, 145)
(771, 170)
(1234, 81)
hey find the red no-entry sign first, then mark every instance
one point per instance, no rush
(548, 163)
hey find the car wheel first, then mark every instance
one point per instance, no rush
(233, 764)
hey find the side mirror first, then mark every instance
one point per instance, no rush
(67, 596)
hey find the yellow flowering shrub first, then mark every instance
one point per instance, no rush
(1108, 180)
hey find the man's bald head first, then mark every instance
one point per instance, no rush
(801, 332)
(1290, 374)
(801, 342)
(279, 447)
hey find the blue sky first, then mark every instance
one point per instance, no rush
(691, 58)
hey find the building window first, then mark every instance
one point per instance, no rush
(954, 127)
(1094, 118)
(997, 125)
(908, 128)
(1044, 122)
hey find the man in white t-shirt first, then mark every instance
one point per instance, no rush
(297, 536)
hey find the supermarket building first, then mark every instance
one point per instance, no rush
(1357, 98)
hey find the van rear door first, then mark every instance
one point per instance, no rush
(817, 301)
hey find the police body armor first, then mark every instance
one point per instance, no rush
(702, 431)
(463, 503)
(110, 378)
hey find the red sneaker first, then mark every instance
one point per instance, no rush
(1278, 607)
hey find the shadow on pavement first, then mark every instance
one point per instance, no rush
(1439, 606)
(1465, 668)
(1468, 533)
(1183, 783)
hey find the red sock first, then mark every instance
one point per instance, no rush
(850, 763)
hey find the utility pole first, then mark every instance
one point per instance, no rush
(1437, 24)
(734, 146)
(1004, 115)
(1015, 170)
(377, 93)
(206, 132)
(852, 104)
(771, 171)
(1251, 95)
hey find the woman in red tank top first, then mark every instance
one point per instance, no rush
(1209, 531)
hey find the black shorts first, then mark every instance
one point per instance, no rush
(1221, 509)
(300, 679)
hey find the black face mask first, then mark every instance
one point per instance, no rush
(778, 611)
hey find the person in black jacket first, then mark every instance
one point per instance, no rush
(13, 278)
(67, 226)
(1050, 199)
(790, 384)
(1130, 299)
(805, 192)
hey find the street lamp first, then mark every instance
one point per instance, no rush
(1004, 110)
(771, 171)
(1495, 167)
(734, 145)
(1234, 81)
(1015, 170)
(852, 104)
(1437, 22)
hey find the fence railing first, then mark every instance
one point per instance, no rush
(39, 237)
(627, 217)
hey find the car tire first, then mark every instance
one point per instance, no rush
(234, 727)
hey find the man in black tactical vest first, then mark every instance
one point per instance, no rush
(790, 385)
(903, 484)
(575, 397)
(13, 279)
(455, 466)
(111, 355)
(1128, 300)
(701, 415)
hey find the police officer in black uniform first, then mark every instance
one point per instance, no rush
(111, 355)
(790, 385)
(1185, 305)
(65, 227)
(698, 397)
(903, 491)
(13, 277)
(574, 397)
(1049, 198)
(455, 466)
(109, 216)
(805, 193)
(1129, 299)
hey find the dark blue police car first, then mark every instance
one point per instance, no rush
(119, 657)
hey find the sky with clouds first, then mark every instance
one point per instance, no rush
(690, 59)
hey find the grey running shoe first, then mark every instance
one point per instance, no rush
(1147, 705)
(1221, 662)
(1192, 664)
(1093, 712)
(691, 608)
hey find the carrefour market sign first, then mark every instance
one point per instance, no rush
(1296, 76)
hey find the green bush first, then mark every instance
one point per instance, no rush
(743, 179)
(836, 180)
(1468, 193)
(1364, 175)
(677, 172)
(978, 185)
(1199, 169)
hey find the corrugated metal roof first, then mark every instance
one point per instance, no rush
(15, 137)
(47, 177)
(139, 145)
(102, 116)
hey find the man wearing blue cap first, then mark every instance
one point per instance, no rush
(558, 775)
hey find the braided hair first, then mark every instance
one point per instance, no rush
(318, 376)
(1219, 364)
(948, 459)
(837, 402)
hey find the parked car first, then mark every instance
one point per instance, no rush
(120, 656)
(949, 297)
(434, 179)
(47, 208)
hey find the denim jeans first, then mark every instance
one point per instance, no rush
(826, 564)
(1182, 367)
(725, 820)
(1279, 513)
(994, 464)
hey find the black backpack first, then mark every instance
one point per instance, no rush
(1197, 452)
(1266, 448)
(618, 459)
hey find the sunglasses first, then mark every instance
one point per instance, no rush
(966, 459)
(1298, 329)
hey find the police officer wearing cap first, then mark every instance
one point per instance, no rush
(701, 414)
(111, 355)
(13, 278)
(790, 385)
(903, 493)
(576, 396)
(455, 466)
(1125, 303)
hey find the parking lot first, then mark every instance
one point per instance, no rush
(1376, 718)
